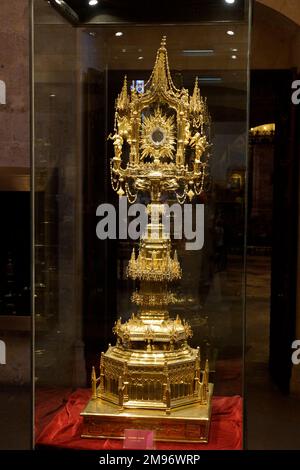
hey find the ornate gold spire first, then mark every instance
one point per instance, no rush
(195, 98)
(94, 384)
(198, 109)
(161, 76)
(123, 99)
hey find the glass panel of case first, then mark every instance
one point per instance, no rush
(82, 285)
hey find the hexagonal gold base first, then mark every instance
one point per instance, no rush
(104, 420)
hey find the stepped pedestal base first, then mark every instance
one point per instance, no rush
(105, 420)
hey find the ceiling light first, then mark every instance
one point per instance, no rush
(140, 58)
(209, 79)
(52, 95)
(234, 49)
(197, 52)
(230, 2)
(234, 56)
(93, 2)
(119, 34)
(230, 32)
(123, 50)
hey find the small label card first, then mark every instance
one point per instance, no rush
(138, 439)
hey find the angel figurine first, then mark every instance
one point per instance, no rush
(198, 142)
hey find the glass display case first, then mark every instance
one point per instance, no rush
(138, 327)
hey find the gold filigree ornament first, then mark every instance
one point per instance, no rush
(167, 132)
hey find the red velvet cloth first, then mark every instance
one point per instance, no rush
(59, 424)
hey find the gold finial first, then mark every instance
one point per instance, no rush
(163, 41)
(198, 108)
(199, 356)
(120, 192)
(122, 101)
(133, 255)
(195, 98)
(206, 375)
(94, 384)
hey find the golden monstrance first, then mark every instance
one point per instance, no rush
(151, 378)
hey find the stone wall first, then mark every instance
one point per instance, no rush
(14, 71)
(274, 40)
(15, 160)
(288, 8)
